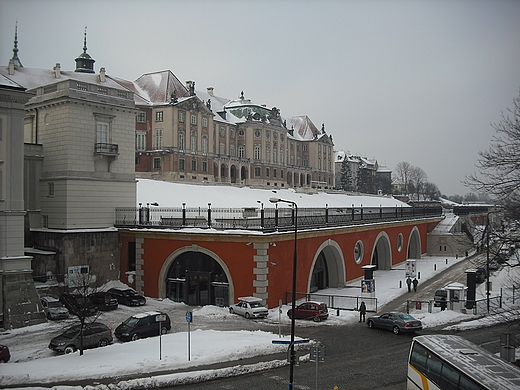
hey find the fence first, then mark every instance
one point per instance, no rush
(264, 219)
(478, 306)
(336, 302)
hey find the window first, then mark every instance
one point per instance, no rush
(241, 151)
(156, 163)
(222, 131)
(102, 133)
(140, 140)
(181, 141)
(232, 150)
(141, 117)
(181, 116)
(268, 153)
(204, 121)
(400, 241)
(193, 141)
(305, 148)
(222, 149)
(158, 138)
(181, 164)
(194, 165)
(267, 134)
(50, 187)
(267, 172)
(258, 171)
(358, 252)
(204, 166)
(282, 156)
(232, 133)
(258, 133)
(281, 173)
(158, 116)
(274, 172)
(204, 145)
(193, 119)
(258, 152)
(275, 156)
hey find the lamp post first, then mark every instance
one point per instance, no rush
(292, 358)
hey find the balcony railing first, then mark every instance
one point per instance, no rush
(264, 219)
(108, 149)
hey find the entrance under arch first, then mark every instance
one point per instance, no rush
(196, 279)
(414, 245)
(382, 255)
(328, 269)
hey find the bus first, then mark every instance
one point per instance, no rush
(448, 362)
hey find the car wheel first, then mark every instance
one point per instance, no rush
(396, 330)
(70, 349)
(316, 318)
(2, 360)
(164, 330)
(370, 324)
(231, 310)
(248, 316)
(135, 336)
(103, 343)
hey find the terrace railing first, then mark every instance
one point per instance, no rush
(263, 219)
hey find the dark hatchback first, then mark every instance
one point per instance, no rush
(315, 311)
(128, 297)
(395, 321)
(104, 300)
(95, 335)
(141, 325)
(78, 305)
(5, 355)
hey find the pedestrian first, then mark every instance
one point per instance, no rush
(409, 283)
(415, 283)
(443, 304)
(362, 311)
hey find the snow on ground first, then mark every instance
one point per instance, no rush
(207, 346)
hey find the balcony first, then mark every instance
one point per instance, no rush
(106, 149)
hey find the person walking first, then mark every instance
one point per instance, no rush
(362, 311)
(409, 284)
(415, 283)
(443, 304)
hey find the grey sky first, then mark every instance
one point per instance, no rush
(415, 81)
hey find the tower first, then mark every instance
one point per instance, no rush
(84, 62)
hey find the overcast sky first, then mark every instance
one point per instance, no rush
(415, 81)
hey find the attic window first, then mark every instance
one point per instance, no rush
(82, 86)
(103, 90)
(122, 94)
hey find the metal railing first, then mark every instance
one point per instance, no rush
(263, 219)
(478, 306)
(336, 302)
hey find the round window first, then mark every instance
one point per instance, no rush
(358, 252)
(257, 133)
(400, 241)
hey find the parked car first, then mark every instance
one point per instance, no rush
(104, 300)
(315, 311)
(95, 335)
(5, 355)
(480, 275)
(440, 294)
(249, 307)
(395, 321)
(141, 325)
(78, 305)
(127, 296)
(54, 309)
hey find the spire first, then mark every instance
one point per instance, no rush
(15, 61)
(84, 62)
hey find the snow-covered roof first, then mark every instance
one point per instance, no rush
(446, 225)
(5, 82)
(160, 86)
(169, 194)
(304, 129)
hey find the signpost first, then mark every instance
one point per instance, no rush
(189, 320)
(160, 319)
(288, 343)
(317, 354)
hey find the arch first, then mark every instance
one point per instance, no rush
(302, 179)
(233, 173)
(309, 180)
(381, 252)
(170, 260)
(414, 244)
(215, 170)
(327, 268)
(289, 177)
(223, 171)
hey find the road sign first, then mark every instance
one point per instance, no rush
(189, 316)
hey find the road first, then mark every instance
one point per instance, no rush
(357, 357)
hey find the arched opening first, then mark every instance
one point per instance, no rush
(243, 173)
(223, 172)
(328, 268)
(215, 170)
(233, 173)
(309, 179)
(195, 278)
(289, 177)
(414, 244)
(381, 253)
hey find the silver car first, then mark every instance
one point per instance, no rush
(54, 309)
(249, 307)
(395, 321)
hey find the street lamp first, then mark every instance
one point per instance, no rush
(292, 358)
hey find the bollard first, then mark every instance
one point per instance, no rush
(336, 388)
(400, 284)
(419, 275)
(446, 261)
(435, 267)
(337, 312)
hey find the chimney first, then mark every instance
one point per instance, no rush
(57, 70)
(102, 75)
(210, 91)
(10, 68)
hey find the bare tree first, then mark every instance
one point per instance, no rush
(402, 175)
(431, 191)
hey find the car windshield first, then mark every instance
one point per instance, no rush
(255, 304)
(71, 332)
(129, 293)
(406, 317)
(54, 304)
(132, 321)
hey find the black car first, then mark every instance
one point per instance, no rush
(95, 335)
(104, 300)
(395, 321)
(128, 297)
(147, 324)
(78, 304)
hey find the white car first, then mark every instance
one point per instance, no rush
(249, 307)
(54, 309)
